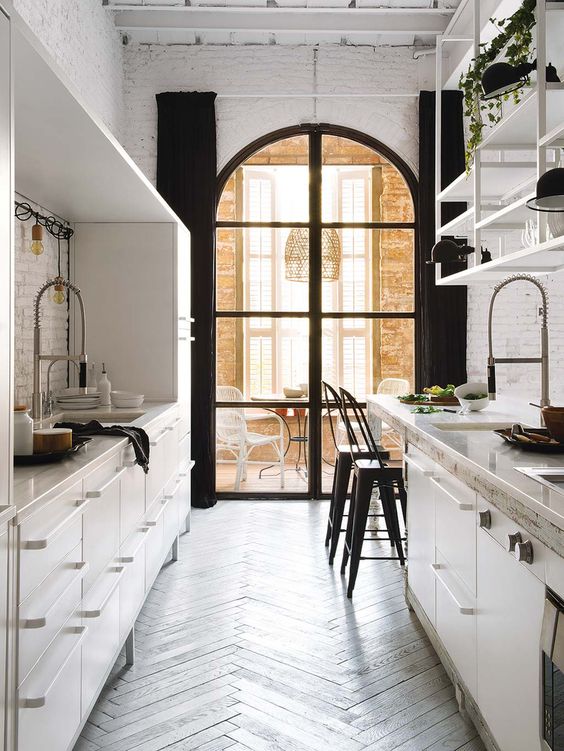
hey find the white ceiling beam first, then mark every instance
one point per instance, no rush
(389, 21)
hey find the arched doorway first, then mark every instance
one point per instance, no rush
(315, 281)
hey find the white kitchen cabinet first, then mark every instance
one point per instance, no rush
(129, 277)
(421, 529)
(101, 518)
(510, 608)
(49, 701)
(455, 519)
(6, 259)
(4, 625)
(6, 348)
(455, 620)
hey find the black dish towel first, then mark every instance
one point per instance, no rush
(137, 437)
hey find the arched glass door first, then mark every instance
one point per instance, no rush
(315, 281)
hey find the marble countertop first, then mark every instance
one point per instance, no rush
(33, 484)
(484, 461)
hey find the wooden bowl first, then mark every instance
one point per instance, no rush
(554, 421)
(51, 439)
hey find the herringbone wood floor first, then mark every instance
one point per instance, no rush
(249, 642)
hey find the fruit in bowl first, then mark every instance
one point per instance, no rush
(472, 396)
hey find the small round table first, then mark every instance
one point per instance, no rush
(301, 438)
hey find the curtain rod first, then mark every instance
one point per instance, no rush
(316, 96)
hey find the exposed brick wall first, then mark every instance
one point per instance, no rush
(82, 38)
(30, 273)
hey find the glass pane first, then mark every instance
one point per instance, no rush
(261, 450)
(362, 354)
(271, 186)
(376, 272)
(262, 269)
(360, 185)
(263, 356)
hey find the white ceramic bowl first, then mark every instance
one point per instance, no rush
(292, 393)
(126, 400)
(474, 405)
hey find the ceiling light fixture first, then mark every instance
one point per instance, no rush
(296, 255)
(550, 192)
(503, 78)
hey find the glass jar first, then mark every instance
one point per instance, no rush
(23, 431)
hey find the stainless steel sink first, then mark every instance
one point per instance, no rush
(465, 427)
(550, 477)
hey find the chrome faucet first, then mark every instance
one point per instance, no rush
(543, 359)
(38, 399)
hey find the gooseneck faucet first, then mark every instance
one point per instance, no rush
(543, 359)
(38, 398)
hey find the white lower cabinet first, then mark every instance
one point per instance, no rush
(421, 529)
(510, 609)
(101, 615)
(455, 620)
(49, 700)
(132, 585)
(86, 560)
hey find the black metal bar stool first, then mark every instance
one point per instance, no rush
(341, 476)
(369, 471)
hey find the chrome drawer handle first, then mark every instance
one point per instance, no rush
(131, 558)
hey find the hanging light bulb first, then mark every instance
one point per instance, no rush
(37, 239)
(59, 291)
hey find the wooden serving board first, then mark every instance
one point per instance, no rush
(436, 402)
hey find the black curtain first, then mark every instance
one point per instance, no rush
(442, 321)
(187, 179)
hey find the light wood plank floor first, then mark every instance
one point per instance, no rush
(249, 642)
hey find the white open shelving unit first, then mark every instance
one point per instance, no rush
(513, 154)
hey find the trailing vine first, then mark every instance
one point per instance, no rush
(516, 38)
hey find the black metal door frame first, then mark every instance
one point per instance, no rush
(315, 313)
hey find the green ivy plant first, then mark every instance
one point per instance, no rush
(516, 37)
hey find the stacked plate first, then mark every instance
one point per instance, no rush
(73, 399)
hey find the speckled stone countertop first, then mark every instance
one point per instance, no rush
(36, 483)
(484, 461)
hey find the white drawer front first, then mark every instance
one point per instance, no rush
(101, 615)
(47, 537)
(163, 458)
(456, 621)
(132, 494)
(131, 592)
(456, 527)
(132, 585)
(49, 700)
(155, 539)
(101, 519)
(44, 612)
(171, 513)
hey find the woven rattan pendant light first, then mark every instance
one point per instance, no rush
(296, 255)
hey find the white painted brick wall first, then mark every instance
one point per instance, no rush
(81, 36)
(150, 69)
(30, 273)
